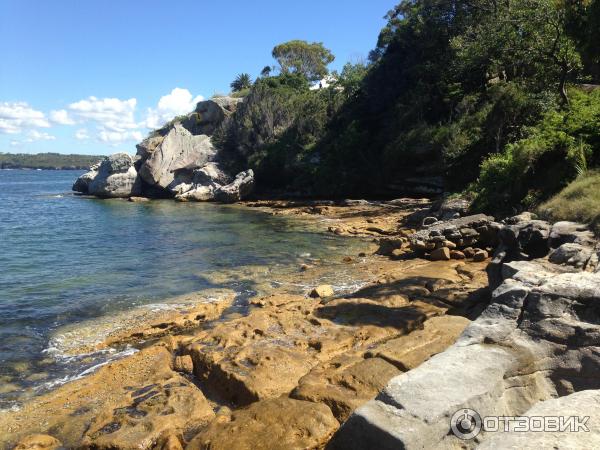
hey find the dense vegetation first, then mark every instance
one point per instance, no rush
(491, 99)
(51, 161)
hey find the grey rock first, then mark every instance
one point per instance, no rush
(180, 150)
(83, 182)
(237, 190)
(116, 177)
(570, 233)
(571, 254)
(537, 340)
(586, 402)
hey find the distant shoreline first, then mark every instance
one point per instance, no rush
(47, 161)
(44, 168)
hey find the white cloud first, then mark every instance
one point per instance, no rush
(18, 116)
(61, 117)
(111, 114)
(82, 134)
(117, 137)
(178, 102)
(35, 135)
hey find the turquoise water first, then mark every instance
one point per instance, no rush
(66, 260)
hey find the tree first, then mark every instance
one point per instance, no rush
(301, 57)
(242, 81)
(266, 72)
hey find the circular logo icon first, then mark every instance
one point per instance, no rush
(465, 424)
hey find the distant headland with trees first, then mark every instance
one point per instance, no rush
(47, 161)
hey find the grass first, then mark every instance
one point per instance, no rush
(578, 202)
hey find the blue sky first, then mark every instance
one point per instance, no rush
(94, 76)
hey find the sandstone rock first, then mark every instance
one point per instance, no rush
(535, 341)
(350, 382)
(178, 151)
(480, 255)
(237, 190)
(116, 177)
(387, 246)
(280, 423)
(440, 254)
(322, 291)
(457, 254)
(184, 364)
(38, 442)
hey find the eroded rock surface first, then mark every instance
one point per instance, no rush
(537, 340)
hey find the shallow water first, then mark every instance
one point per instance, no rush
(67, 260)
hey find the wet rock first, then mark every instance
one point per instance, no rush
(139, 199)
(280, 423)
(322, 291)
(127, 404)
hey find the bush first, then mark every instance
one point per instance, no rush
(578, 202)
(556, 150)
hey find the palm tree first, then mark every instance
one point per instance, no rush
(242, 81)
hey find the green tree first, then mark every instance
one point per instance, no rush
(301, 57)
(266, 71)
(241, 82)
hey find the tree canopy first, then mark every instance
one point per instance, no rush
(241, 82)
(301, 57)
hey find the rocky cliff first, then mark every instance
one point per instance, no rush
(178, 160)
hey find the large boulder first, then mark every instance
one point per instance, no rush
(115, 176)
(209, 115)
(82, 183)
(179, 150)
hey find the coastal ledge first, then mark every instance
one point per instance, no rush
(288, 373)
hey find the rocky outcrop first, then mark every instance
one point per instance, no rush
(177, 160)
(179, 152)
(115, 176)
(536, 341)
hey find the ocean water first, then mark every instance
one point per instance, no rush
(67, 260)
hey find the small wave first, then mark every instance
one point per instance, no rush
(66, 379)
